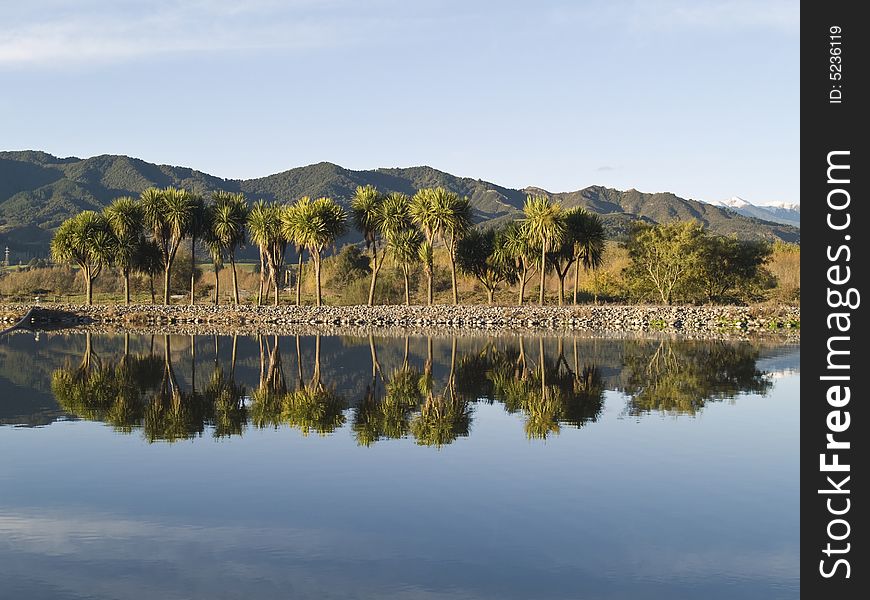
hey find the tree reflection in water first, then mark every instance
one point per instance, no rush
(681, 377)
(551, 383)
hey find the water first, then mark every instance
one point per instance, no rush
(427, 468)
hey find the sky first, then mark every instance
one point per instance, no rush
(700, 98)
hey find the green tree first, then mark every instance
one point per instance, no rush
(87, 241)
(483, 254)
(663, 258)
(265, 225)
(315, 225)
(589, 243)
(430, 210)
(149, 262)
(168, 214)
(196, 230)
(405, 245)
(730, 269)
(365, 210)
(225, 231)
(520, 247)
(543, 223)
(457, 223)
(124, 216)
(350, 265)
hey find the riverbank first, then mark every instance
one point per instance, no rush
(688, 320)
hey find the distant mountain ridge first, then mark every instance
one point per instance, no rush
(785, 213)
(38, 191)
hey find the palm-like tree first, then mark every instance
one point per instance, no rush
(86, 241)
(149, 262)
(457, 212)
(589, 244)
(315, 225)
(196, 230)
(405, 246)
(124, 216)
(543, 222)
(265, 227)
(168, 214)
(583, 242)
(439, 212)
(519, 246)
(365, 210)
(226, 230)
(425, 213)
(483, 255)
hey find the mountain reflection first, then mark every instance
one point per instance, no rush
(178, 387)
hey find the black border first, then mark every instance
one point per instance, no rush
(827, 127)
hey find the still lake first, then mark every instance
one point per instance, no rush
(387, 467)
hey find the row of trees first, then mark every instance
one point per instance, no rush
(144, 235)
(677, 261)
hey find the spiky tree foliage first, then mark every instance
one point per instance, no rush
(149, 262)
(582, 243)
(196, 230)
(315, 225)
(403, 239)
(521, 248)
(440, 213)
(168, 215)
(589, 244)
(543, 222)
(225, 232)
(265, 226)
(365, 211)
(457, 223)
(483, 255)
(124, 216)
(405, 247)
(87, 241)
(426, 214)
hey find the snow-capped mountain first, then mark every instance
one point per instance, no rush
(786, 213)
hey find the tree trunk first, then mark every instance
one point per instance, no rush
(562, 288)
(127, 287)
(151, 285)
(275, 277)
(543, 270)
(407, 287)
(166, 270)
(217, 286)
(235, 279)
(429, 275)
(576, 279)
(453, 275)
(523, 284)
(299, 279)
(262, 278)
(192, 270)
(376, 267)
(316, 256)
(89, 287)
(489, 295)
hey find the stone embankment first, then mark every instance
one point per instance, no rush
(689, 320)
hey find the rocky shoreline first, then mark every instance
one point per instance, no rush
(686, 320)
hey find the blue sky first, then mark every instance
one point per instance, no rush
(698, 98)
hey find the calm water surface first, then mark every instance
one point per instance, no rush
(421, 468)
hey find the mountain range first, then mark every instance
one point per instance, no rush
(38, 191)
(785, 213)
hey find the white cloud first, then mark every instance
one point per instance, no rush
(668, 15)
(133, 28)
